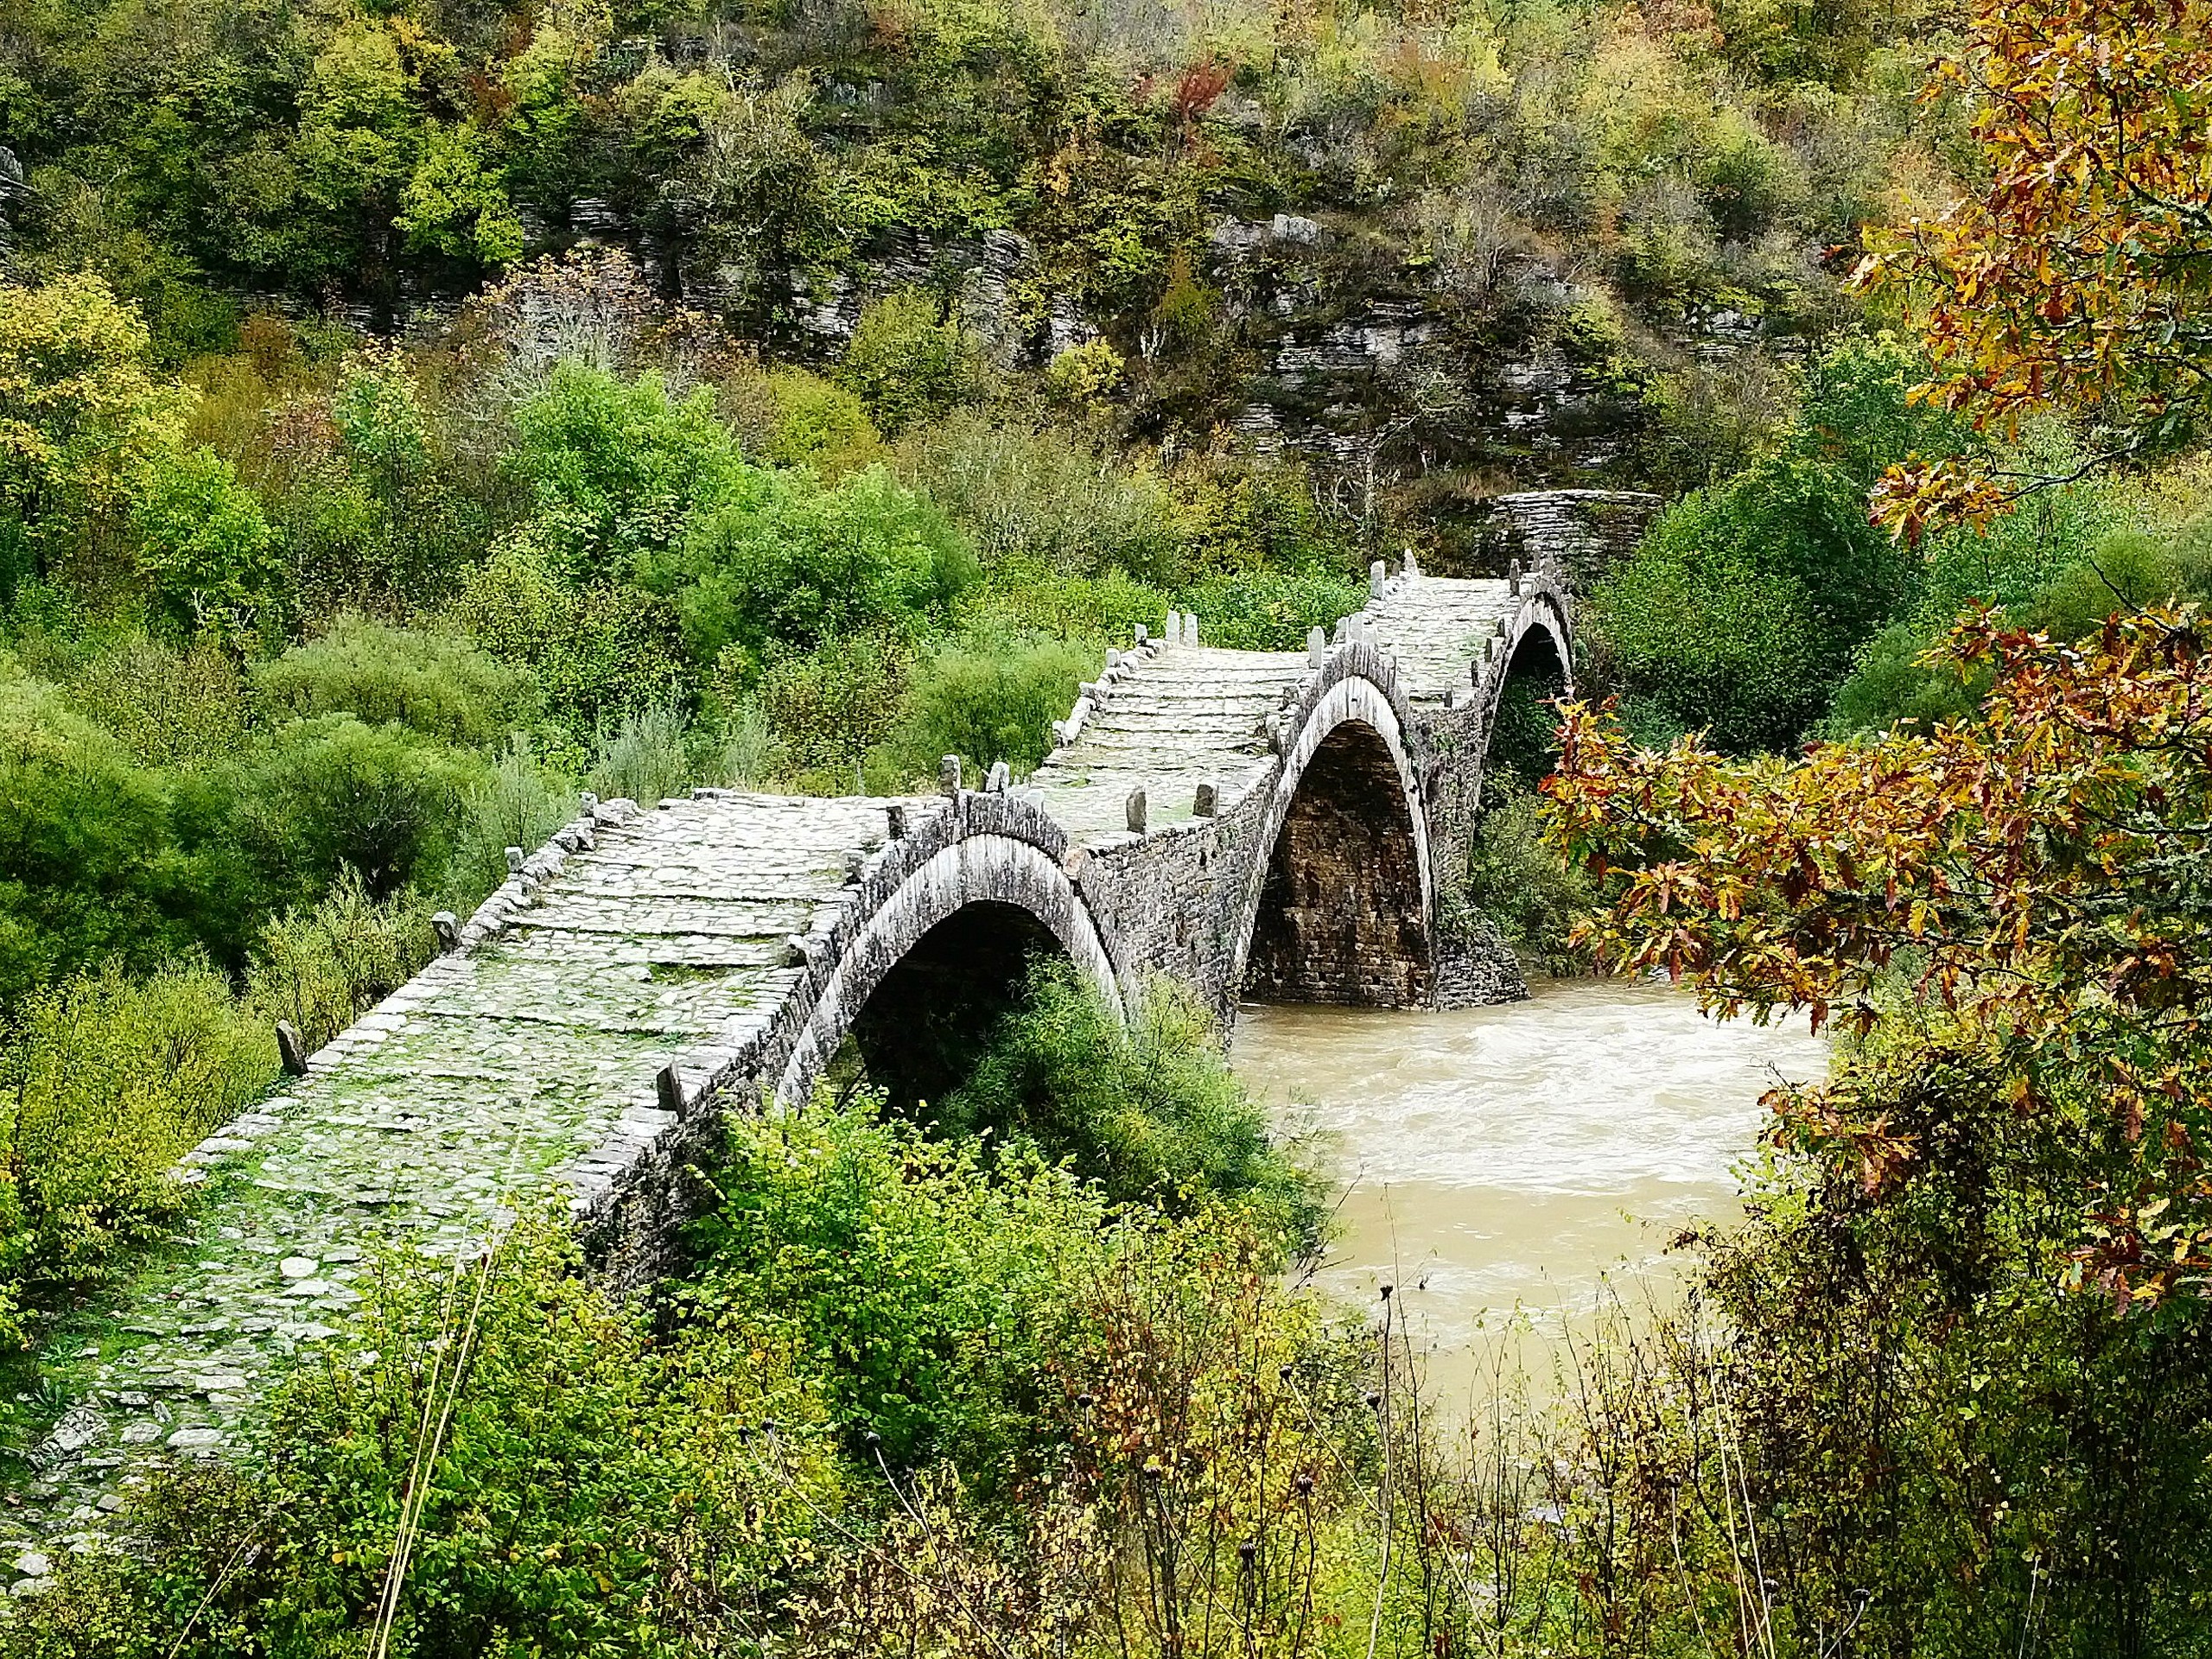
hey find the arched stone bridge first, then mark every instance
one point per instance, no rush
(1272, 824)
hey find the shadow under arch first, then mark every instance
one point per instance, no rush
(1524, 727)
(949, 934)
(929, 1019)
(1343, 908)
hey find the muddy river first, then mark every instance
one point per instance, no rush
(1506, 1164)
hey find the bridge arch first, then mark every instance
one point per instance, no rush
(1533, 662)
(1338, 904)
(944, 926)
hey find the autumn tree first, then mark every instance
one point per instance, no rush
(82, 415)
(2042, 879)
(2074, 273)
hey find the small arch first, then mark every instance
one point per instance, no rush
(978, 910)
(1522, 723)
(930, 1018)
(1340, 908)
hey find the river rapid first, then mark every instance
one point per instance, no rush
(1504, 1166)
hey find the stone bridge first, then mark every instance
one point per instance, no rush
(1263, 824)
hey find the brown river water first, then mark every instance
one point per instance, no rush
(1504, 1165)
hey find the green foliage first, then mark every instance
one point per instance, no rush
(1714, 643)
(1520, 885)
(332, 792)
(517, 803)
(1889, 686)
(816, 423)
(794, 565)
(910, 359)
(81, 413)
(88, 862)
(2123, 573)
(617, 467)
(1041, 497)
(562, 1485)
(1085, 375)
(105, 1083)
(643, 760)
(1741, 610)
(203, 547)
(916, 1277)
(439, 685)
(825, 710)
(1908, 1351)
(324, 968)
(1150, 1111)
(1269, 608)
(167, 707)
(595, 652)
(990, 702)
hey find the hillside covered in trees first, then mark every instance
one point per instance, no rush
(412, 415)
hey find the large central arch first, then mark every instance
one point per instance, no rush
(1338, 904)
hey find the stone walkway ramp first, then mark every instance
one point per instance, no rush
(525, 1062)
(1165, 719)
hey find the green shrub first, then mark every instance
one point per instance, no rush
(595, 652)
(1716, 645)
(565, 1487)
(1890, 685)
(909, 359)
(439, 685)
(617, 467)
(917, 1277)
(324, 968)
(1042, 498)
(88, 865)
(987, 703)
(1521, 885)
(1151, 1111)
(2124, 572)
(105, 1081)
(1271, 609)
(796, 565)
(167, 708)
(206, 551)
(332, 793)
(1744, 604)
(817, 423)
(519, 802)
(1025, 598)
(642, 759)
(748, 754)
(826, 709)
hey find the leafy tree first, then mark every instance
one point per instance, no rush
(617, 467)
(207, 554)
(2038, 874)
(332, 792)
(87, 851)
(82, 413)
(783, 562)
(909, 359)
(2069, 274)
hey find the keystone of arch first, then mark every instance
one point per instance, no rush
(990, 867)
